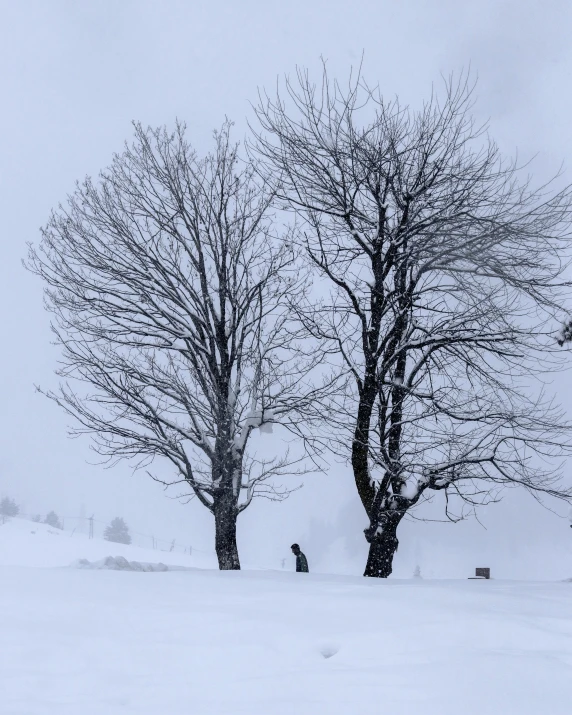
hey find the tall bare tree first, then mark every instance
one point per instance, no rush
(168, 289)
(442, 276)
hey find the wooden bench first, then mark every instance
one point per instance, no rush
(481, 573)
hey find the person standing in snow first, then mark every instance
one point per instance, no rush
(301, 560)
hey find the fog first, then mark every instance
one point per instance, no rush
(75, 74)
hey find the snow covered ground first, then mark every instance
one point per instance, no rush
(25, 543)
(202, 642)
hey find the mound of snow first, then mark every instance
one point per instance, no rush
(120, 563)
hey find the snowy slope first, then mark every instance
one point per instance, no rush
(25, 543)
(271, 643)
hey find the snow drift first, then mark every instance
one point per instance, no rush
(120, 563)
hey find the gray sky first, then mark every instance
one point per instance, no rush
(73, 76)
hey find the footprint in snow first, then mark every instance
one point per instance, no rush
(328, 651)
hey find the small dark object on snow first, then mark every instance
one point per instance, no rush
(301, 560)
(482, 573)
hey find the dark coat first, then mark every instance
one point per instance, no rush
(301, 563)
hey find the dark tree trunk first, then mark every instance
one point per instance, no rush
(382, 548)
(225, 536)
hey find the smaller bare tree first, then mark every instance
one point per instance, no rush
(168, 287)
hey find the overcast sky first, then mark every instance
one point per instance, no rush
(75, 74)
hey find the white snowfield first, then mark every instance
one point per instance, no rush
(199, 642)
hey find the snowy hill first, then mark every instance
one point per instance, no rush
(25, 543)
(278, 644)
(268, 643)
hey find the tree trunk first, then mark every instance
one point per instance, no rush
(382, 548)
(225, 537)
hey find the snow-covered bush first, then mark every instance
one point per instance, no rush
(52, 519)
(8, 507)
(117, 531)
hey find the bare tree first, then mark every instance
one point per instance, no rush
(441, 274)
(168, 288)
